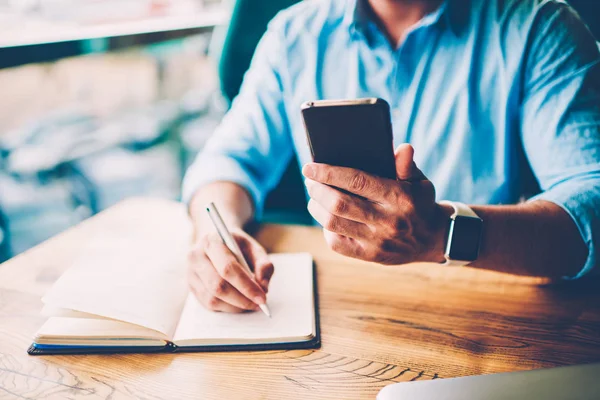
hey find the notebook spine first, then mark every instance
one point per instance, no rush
(34, 351)
(171, 347)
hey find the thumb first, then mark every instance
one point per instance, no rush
(406, 169)
(264, 272)
(261, 265)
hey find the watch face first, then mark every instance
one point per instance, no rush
(464, 238)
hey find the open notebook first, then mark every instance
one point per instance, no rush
(127, 296)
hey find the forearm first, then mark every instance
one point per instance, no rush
(234, 203)
(534, 239)
(399, 222)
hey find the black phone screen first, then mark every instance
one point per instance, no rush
(352, 135)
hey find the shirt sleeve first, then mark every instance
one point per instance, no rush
(252, 145)
(560, 119)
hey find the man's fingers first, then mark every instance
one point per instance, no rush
(406, 169)
(264, 273)
(341, 204)
(336, 224)
(232, 272)
(258, 259)
(206, 299)
(218, 287)
(343, 245)
(351, 180)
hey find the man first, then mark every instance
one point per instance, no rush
(481, 89)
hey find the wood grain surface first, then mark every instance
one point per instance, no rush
(380, 325)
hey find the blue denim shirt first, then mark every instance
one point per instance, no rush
(484, 90)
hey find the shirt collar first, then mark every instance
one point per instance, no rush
(452, 12)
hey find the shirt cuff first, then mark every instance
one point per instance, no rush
(579, 198)
(206, 170)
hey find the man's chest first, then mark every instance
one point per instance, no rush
(453, 101)
(434, 87)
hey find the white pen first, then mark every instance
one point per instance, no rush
(231, 244)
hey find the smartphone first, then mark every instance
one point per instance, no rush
(351, 133)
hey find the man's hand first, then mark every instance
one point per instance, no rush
(382, 220)
(220, 282)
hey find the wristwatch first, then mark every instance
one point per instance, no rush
(464, 235)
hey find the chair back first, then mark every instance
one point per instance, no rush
(249, 20)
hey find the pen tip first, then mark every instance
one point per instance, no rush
(265, 309)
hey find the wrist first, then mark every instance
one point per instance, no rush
(203, 225)
(440, 223)
(234, 202)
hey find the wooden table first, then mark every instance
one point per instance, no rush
(380, 325)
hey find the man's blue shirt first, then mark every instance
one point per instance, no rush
(489, 92)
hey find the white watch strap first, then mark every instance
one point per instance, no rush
(455, 263)
(460, 209)
(465, 211)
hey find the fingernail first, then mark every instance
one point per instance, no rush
(309, 171)
(259, 300)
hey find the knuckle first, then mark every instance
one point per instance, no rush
(359, 252)
(212, 303)
(331, 223)
(386, 228)
(369, 214)
(219, 287)
(335, 246)
(249, 305)
(334, 243)
(339, 248)
(229, 270)
(358, 182)
(409, 208)
(391, 194)
(327, 175)
(340, 206)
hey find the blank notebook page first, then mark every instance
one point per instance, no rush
(290, 298)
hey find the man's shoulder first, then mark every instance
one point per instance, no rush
(512, 21)
(312, 17)
(504, 7)
(519, 10)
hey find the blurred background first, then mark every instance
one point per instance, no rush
(101, 100)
